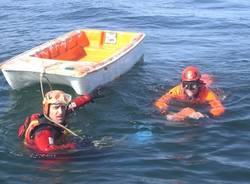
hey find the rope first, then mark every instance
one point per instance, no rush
(41, 82)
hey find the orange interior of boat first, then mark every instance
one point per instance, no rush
(87, 46)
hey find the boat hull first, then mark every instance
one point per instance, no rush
(82, 83)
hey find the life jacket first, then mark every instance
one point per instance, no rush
(35, 122)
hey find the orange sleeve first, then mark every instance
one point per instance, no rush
(163, 101)
(217, 108)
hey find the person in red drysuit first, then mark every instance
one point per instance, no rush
(193, 89)
(40, 132)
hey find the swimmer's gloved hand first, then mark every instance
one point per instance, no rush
(97, 93)
(185, 113)
(83, 143)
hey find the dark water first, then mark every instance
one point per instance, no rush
(137, 145)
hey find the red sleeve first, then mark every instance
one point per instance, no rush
(79, 101)
(44, 142)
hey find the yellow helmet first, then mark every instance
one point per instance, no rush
(55, 97)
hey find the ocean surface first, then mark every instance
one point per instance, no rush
(135, 143)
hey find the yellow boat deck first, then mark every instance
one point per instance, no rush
(97, 54)
(100, 49)
(88, 46)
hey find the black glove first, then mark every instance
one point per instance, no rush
(85, 143)
(97, 93)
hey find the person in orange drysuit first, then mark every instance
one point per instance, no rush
(41, 133)
(192, 90)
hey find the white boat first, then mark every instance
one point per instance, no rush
(83, 59)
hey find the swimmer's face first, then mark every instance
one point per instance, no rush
(57, 113)
(55, 105)
(191, 89)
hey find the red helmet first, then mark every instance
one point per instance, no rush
(190, 73)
